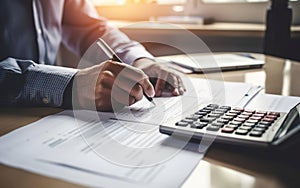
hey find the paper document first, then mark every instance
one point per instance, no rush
(123, 149)
(61, 140)
(277, 103)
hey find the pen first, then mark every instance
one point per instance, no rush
(110, 53)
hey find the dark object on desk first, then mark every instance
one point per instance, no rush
(278, 41)
(236, 126)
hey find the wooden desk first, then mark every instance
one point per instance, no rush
(240, 167)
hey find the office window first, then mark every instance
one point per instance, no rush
(248, 11)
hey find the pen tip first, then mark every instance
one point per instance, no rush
(153, 103)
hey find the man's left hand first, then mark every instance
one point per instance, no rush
(165, 78)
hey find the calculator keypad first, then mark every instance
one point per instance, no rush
(229, 120)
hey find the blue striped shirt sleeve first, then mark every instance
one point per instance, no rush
(37, 85)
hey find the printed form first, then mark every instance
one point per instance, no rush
(118, 149)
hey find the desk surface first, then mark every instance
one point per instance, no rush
(221, 167)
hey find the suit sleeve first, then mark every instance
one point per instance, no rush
(23, 82)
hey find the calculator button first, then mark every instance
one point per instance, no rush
(213, 106)
(227, 130)
(217, 112)
(218, 124)
(198, 125)
(212, 128)
(205, 110)
(200, 113)
(207, 119)
(245, 128)
(241, 132)
(232, 126)
(262, 126)
(255, 118)
(231, 114)
(261, 112)
(222, 121)
(252, 121)
(256, 133)
(265, 123)
(243, 116)
(249, 111)
(213, 115)
(246, 114)
(225, 107)
(258, 115)
(271, 117)
(268, 119)
(209, 108)
(187, 120)
(239, 119)
(238, 109)
(234, 112)
(258, 129)
(274, 114)
(221, 110)
(181, 124)
(247, 124)
(193, 117)
(227, 117)
(238, 123)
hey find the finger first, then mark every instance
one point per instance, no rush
(138, 76)
(133, 74)
(128, 71)
(147, 87)
(116, 106)
(114, 67)
(159, 87)
(137, 92)
(103, 100)
(123, 97)
(132, 100)
(173, 81)
(181, 86)
(131, 87)
(161, 82)
(105, 79)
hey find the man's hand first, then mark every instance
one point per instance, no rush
(165, 79)
(110, 85)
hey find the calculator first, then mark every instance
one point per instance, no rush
(235, 125)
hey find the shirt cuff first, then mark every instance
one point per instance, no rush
(134, 54)
(45, 85)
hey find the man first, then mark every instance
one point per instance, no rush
(30, 35)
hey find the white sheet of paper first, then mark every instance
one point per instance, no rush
(277, 103)
(62, 141)
(94, 149)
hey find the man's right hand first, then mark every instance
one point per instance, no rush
(109, 86)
